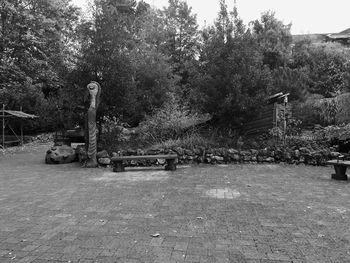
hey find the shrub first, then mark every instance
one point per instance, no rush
(171, 122)
(189, 141)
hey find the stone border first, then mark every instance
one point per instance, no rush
(300, 155)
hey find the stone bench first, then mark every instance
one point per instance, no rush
(118, 161)
(340, 169)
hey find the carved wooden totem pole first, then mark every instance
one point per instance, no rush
(94, 89)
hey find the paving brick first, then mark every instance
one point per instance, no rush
(64, 213)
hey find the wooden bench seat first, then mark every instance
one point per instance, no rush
(340, 169)
(118, 165)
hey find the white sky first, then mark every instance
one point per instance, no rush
(306, 16)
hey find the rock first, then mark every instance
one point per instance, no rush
(297, 154)
(218, 158)
(245, 153)
(104, 161)
(287, 155)
(254, 152)
(236, 157)
(200, 159)
(231, 153)
(189, 157)
(304, 150)
(198, 151)
(207, 160)
(254, 159)
(60, 155)
(264, 152)
(140, 152)
(278, 154)
(179, 150)
(220, 152)
(102, 154)
(114, 154)
(335, 154)
(247, 158)
(260, 158)
(161, 161)
(269, 159)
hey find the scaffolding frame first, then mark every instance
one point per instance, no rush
(7, 116)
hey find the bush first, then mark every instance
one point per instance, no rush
(189, 141)
(115, 135)
(171, 122)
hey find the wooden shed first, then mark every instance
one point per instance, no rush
(272, 115)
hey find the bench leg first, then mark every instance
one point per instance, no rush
(170, 165)
(340, 173)
(118, 167)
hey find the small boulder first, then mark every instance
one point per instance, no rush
(60, 155)
(269, 159)
(102, 154)
(219, 159)
(104, 161)
(114, 154)
(297, 154)
(254, 152)
(232, 151)
(236, 157)
(335, 154)
(179, 151)
(247, 158)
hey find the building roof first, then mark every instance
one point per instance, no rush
(340, 35)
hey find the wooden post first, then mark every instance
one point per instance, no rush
(21, 128)
(3, 126)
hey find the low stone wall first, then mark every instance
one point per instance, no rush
(300, 155)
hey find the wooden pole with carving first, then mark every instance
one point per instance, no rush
(94, 89)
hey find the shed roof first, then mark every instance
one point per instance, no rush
(18, 114)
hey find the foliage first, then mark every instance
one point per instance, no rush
(171, 121)
(274, 39)
(144, 58)
(327, 67)
(233, 78)
(193, 140)
(34, 53)
(317, 110)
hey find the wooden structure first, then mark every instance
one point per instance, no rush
(66, 137)
(273, 115)
(118, 165)
(6, 117)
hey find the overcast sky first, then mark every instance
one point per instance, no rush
(306, 16)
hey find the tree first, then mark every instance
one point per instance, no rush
(182, 43)
(233, 79)
(33, 51)
(274, 39)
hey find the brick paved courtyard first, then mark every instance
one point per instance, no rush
(233, 213)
